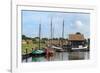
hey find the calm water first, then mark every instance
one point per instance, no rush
(60, 56)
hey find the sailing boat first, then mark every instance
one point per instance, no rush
(60, 49)
(38, 51)
(49, 50)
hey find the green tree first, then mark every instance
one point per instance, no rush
(78, 33)
(45, 39)
(34, 40)
(24, 37)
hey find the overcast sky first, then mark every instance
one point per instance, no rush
(73, 22)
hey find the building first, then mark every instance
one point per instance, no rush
(76, 40)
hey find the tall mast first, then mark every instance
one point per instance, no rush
(51, 31)
(62, 32)
(39, 34)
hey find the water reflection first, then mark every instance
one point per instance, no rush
(38, 59)
(76, 55)
(60, 56)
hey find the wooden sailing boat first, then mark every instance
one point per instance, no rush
(60, 49)
(38, 51)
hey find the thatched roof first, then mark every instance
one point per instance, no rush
(76, 37)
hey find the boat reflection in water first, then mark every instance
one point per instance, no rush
(78, 55)
(60, 56)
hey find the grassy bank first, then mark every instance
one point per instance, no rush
(30, 46)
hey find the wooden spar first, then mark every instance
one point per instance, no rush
(62, 32)
(39, 34)
(51, 31)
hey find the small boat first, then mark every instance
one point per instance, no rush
(49, 52)
(80, 48)
(38, 52)
(58, 49)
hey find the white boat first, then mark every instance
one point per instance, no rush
(80, 48)
(56, 47)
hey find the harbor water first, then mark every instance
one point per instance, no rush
(59, 56)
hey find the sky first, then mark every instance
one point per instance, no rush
(73, 22)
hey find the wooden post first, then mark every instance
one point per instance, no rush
(31, 54)
(32, 49)
(26, 54)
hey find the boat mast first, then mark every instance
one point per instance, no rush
(39, 34)
(62, 32)
(51, 31)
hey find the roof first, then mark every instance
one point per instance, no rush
(76, 37)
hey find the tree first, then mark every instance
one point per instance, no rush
(78, 33)
(36, 37)
(24, 37)
(61, 38)
(45, 39)
(55, 38)
(34, 40)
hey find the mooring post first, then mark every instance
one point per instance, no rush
(31, 53)
(26, 54)
(32, 49)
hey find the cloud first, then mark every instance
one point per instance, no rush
(79, 24)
